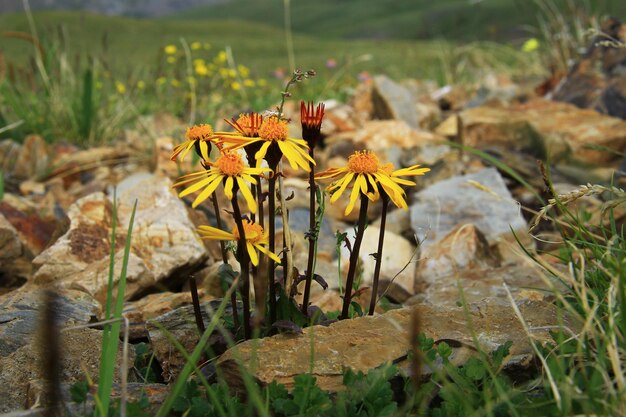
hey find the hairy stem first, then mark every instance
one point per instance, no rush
(379, 252)
(354, 257)
(196, 304)
(287, 241)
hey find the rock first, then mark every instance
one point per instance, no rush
(10, 244)
(394, 101)
(338, 117)
(447, 204)
(398, 222)
(20, 313)
(9, 152)
(465, 248)
(22, 369)
(154, 305)
(563, 130)
(368, 342)
(33, 159)
(397, 272)
(181, 325)
(165, 246)
(525, 281)
(35, 232)
(380, 135)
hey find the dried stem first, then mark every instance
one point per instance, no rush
(379, 252)
(287, 241)
(242, 253)
(312, 235)
(354, 257)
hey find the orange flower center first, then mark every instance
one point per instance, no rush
(363, 162)
(199, 132)
(253, 231)
(230, 164)
(273, 129)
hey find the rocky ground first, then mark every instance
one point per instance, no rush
(56, 213)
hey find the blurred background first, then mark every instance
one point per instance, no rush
(79, 70)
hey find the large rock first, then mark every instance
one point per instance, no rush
(21, 372)
(456, 201)
(165, 246)
(368, 342)
(20, 312)
(394, 101)
(561, 129)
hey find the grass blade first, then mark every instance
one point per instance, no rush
(110, 337)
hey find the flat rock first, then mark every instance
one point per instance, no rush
(561, 129)
(368, 342)
(20, 313)
(33, 159)
(22, 369)
(449, 203)
(164, 241)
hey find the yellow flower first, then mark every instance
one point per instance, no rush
(221, 57)
(228, 169)
(365, 170)
(120, 87)
(175, 83)
(171, 59)
(243, 70)
(141, 84)
(201, 70)
(248, 125)
(192, 81)
(235, 86)
(248, 83)
(273, 131)
(530, 45)
(256, 239)
(200, 134)
(195, 46)
(170, 49)
(161, 80)
(262, 82)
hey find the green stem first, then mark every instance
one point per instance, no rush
(354, 257)
(242, 252)
(379, 252)
(312, 236)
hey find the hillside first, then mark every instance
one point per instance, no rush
(462, 20)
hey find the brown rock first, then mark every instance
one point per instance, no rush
(465, 248)
(380, 135)
(163, 241)
(559, 128)
(33, 159)
(368, 342)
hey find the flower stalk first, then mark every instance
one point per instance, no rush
(379, 252)
(244, 262)
(354, 257)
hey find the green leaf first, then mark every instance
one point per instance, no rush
(475, 369)
(444, 350)
(79, 391)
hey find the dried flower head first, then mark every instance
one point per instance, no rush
(311, 120)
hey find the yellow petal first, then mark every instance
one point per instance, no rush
(261, 153)
(247, 195)
(346, 181)
(228, 187)
(353, 197)
(205, 193)
(198, 185)
(208, 232)
(268, 253)
(254, 258)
